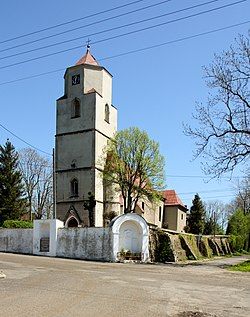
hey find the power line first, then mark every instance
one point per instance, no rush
(16, 136)
(81, 27)
(38, 149)
(207, 191)
(201, 176)
(124, 34)
(101, 32)
(135, 51)
(222, 196)
(71, 21)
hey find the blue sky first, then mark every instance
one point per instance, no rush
(155, 89)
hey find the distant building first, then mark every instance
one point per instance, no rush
(175, 212)
(85, 121)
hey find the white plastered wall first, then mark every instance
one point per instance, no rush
(46, 229)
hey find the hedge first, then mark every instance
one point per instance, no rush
(10, 224)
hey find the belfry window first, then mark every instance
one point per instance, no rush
(74, 187)
(107, 113)
(75, 108)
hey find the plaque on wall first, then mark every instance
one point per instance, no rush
(44, 245)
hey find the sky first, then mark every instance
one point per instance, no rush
(155, 89)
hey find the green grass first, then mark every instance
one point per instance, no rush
(242, 267)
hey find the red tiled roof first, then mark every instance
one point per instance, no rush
(88, 58)
(171, 198)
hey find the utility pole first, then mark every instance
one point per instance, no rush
(54, 185)
(214, 223)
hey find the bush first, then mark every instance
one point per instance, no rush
(10, 224)
(164, 251)
(237, 242)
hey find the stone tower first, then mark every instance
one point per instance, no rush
(85, 120)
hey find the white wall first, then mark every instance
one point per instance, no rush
(16, 240)
(84, 243)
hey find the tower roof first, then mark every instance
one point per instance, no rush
(172, 199)
(88, 58)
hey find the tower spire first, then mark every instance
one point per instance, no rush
(88, 58)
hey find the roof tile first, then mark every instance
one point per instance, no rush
(88, 58)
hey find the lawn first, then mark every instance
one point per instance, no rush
(243, 267)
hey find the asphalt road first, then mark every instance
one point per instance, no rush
(44, 287)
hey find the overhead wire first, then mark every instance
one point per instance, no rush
(124, 34)
(117, 28)
(71, 21)
(207, 191)
(42, 151)
(133, 51)
(84, 26)
(29, 144)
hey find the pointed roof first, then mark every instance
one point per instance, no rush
(88, 58)
(172, 199)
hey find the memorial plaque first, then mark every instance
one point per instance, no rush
(44, 245)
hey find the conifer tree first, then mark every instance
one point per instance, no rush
(12, 201)
(196, 219)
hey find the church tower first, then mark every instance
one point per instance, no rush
(85, 121)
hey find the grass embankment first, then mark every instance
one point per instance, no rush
(242, 267)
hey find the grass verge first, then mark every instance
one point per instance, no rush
(242, 267)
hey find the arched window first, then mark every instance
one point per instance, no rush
(74, 187)
(75, 108)
(107, 113)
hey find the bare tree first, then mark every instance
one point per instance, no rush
(223, 132)
(242, 197)
(217, 212)
(37, 177)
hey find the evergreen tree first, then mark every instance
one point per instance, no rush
(12, 201)
(209, 226)
(196, 220)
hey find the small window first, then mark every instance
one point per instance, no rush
(160, 213)
(107, 113)
(74, 188)
(182, 217)
(142, 205)
(75, 108)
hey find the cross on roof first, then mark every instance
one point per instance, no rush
(88, 43)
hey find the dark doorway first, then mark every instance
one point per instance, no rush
(72, 223)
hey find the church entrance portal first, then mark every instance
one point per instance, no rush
(72, 222)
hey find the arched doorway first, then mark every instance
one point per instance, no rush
(72, 222)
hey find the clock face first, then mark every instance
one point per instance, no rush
(76, 79)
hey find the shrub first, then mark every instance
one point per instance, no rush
(237, 242)
(10, 224)
(164, 251)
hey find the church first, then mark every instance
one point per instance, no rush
(85, 120)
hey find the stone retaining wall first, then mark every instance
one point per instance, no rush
(169, 247)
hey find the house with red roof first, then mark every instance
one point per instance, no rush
(175, 212)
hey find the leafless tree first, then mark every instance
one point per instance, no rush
(222, 137)
(37, 177)
(216, 210)
(242, 196)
